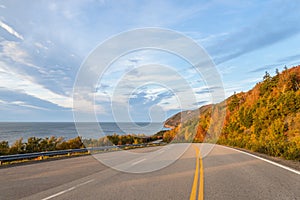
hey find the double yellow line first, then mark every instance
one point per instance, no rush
(198, 185)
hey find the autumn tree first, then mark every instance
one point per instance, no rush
(4, 147)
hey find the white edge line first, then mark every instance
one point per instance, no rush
(137, 162)
(160, 151)
(67, 190)
(263, 159)
(59, 193)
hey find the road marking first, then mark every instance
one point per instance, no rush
(199, 175)
(263, 159)
(161, 151)
(67, 190)
(137, 162)
(196, 176)
(201, 184)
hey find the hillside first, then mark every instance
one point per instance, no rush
(265, 119)
(176, 119)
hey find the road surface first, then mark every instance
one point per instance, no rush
(222, 173)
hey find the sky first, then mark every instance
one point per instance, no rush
(44, 44)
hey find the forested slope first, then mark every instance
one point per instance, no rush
(265, 119)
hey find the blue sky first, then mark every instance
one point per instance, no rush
(44, 43)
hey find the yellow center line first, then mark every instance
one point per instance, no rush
(199, 167)
(201, 184)
(195, 183)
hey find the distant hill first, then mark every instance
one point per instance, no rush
(176, 119)
(265, 119)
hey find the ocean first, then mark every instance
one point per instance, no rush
(11, 131)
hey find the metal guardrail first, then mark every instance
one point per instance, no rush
(9, 158)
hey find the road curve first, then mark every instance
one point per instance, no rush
(222, 173)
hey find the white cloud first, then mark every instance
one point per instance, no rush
(210, 39)
(153, 93)
(11, 30)
(3, 102)
(172, 103)
(23, 104)
(15, 81)
(153, 81)
(39, 45)
(13, 51)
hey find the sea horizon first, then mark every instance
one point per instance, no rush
(12, 131)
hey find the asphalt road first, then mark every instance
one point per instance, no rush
(200, 172)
